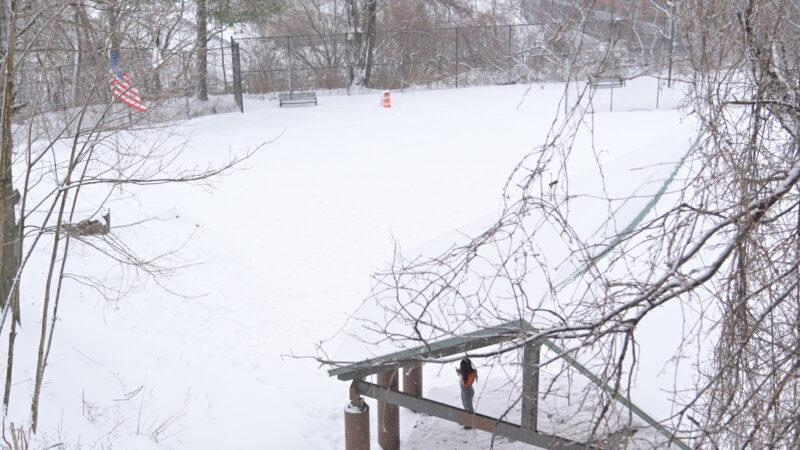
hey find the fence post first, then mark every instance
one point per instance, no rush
(237, 74)
(658, 79)
(222, 58)
(611, 102)
(568, 70)
(510, 54)
(671, 44)
(456, 57)
(289, 62)
(348, 46)
(614, 71)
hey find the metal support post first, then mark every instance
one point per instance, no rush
(671, 44)
(567, 69)
(658, 80)
(456, 57)
(611, 102)
(614, 71)
(289, 62)
(222, 60)
(237, 74)
(510, 56)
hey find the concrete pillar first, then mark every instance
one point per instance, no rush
(412, 380)
(530, 386)
(388, 414)
(356, 423)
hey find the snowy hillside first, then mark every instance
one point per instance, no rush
(276, 256)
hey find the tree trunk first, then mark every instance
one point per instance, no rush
(202, 51)
(156, 62)
(8, 197)
(113, 24)
(12, 336)
(76, 68)
(372, 18)
(354, 39)
(9, 259)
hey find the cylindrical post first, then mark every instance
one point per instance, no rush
(611, 102)
(613, 71)
(388, 414)
(237, 74)
(671, 44)
(658, 79)
(412, 380)
(356, 423)
(356, 427)
(567, 69)
(222, 60)
(510, 55)
(289, 62)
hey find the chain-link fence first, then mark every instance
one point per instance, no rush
(443, 57)
(52, 79)
(450, 57)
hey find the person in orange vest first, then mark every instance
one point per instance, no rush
(467, 377)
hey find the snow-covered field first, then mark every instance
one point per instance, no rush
(281, 253)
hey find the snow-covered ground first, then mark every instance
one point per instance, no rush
(281, 253)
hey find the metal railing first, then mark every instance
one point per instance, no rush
(440, 57)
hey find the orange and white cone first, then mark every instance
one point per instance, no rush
(386, 101)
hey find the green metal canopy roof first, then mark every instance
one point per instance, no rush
(483, 338)
(440, 349)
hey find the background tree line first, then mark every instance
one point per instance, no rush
(66, 144)
(397, 44)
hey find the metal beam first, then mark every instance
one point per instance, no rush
(440, 349)
(479, 421)
(463, 347)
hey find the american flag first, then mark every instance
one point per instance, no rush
(121, 85)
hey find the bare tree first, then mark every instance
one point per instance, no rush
(61, 150)
(202, 50)
(726, 248)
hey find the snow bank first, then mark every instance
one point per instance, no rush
(278, 255)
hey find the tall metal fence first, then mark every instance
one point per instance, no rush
(451, 57)
(53, 79)
(56, 78)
